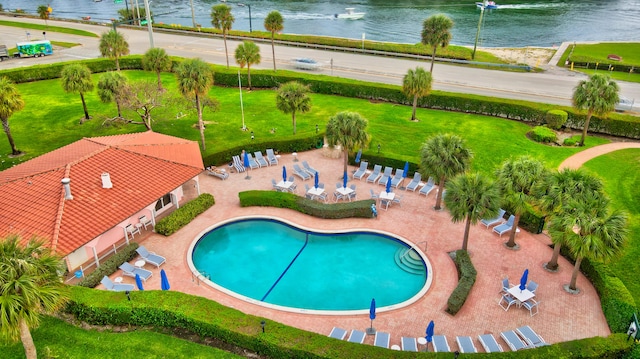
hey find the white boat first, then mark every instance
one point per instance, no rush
(350, 14)
(489, 5)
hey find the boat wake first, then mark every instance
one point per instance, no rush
(531, 6)
(303, 16)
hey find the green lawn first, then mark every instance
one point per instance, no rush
(597, 53)
(43, 27)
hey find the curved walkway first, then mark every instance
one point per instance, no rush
(576, 161)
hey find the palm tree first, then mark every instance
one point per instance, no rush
(436, 31)
(598, 95)
(293, 97)
(108, 86)
(222, 19)
(113, 45)
(471, 197)
(417, 84)
(43, 12)
(76, 78)
(562, 187)
(195, 79)
(444, 156)
(347, 129)
(248, 53)
(30, 287)
(10, 102)
(595, 231)
(273, 23)
(517, 180)
(157, 60)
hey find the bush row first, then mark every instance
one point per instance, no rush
(466, 278)
(110, 265)
(184, 215)
(356, 209)
(555, 119)
(605, 66)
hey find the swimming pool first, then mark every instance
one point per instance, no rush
(278, 264)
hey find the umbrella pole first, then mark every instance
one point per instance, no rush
(371, 330)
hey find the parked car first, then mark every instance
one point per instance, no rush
(624, 104)
(305, 64)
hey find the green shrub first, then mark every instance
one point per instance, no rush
(532, 221)
(109, 266)
(570, 141)
(555, 119)
(356, 209)
(466, 278)
(542, 134)
(184, 215)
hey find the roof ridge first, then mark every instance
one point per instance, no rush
(154, 157)
(60, 212)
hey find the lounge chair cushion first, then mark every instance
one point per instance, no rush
(357, 336)
(381, 339)
(337, 333)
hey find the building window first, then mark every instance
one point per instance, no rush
(163, 202)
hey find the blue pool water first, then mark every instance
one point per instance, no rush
(273, 262)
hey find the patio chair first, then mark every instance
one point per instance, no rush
(310, 170)
(495, 220)
(440, 344)
(505, 227)
(385, 203)
(532, 286)
(397, 199)
(360, 172)
(505, 286)
(409, 344)
(215, 172)
(323, 197)
(513, 341)
(381, 340)
(306, 192)
(531, 337)
(375, 174)
(252, 162)
(274, 184)
(428, 187)
(132, 230)
(260, 159)
(397, 179)
(508, 301)
(385, 176)
(532, 305)
(415, 182)
(131, 271)
(465, 345)
(293, 186)
(237, 164)
(356, 336)
(353, 195)
(115, 287)
(273, 160)
(373, 195)
(300, 173)
(489, 343)
(150, 257)
(337, 195)
(337, 333)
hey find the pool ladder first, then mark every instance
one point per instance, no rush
(196, 276)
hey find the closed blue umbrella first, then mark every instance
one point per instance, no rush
(372, 315)
(164, 282)
(523, 280)
(406, 169)
(344, 179)
(389, 184)
(139, 282)
(358, 155)
(284, 173)
(316, 180)
(246, 160)
(429, 332)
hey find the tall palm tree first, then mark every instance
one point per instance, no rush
(444, 156)
(29, 286)
(195, 79)
(10, 102)
(76, 78)
(598, 95)
(108, 86)
(349, 130)
(293, 97)
(43, 12)
(436, 31)
(564, 186)
(222, 19)
(517, 180)
(113, 45)
(471, 197)
(416, 83)
(273, 23)
(248, 53)
(157, 60)
(595, 231)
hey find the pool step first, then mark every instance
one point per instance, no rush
(409, 262)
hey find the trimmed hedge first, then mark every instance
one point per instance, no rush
(466, 278)
(184, 215)
(110, 265)
(555, 119)
(356, 209)
(542, 134)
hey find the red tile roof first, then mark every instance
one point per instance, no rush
(143, 167)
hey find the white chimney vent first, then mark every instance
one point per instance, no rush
(106, 180)
(67, 188)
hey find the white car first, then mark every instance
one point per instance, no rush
(624, 104)
(305, 64)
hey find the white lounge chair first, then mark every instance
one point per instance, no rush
(495, 220)
(150, 257)
(356, 336)
(260, 159)
(505, 227)
(106, 281)
(215, 172)
(465, 344)
(310, 170)
(512, 340)
(237, 164)
(131, 271)
(489, 343)
(409, 344)
(415, 182)
(337, 333)
(375, 174)
(252, 162)
(300, 173)
(440, 344)
(273, 160)
(360, 172)
(428, 187)
(530, 336)
(381, 340)
(385, 176)
(397, 178)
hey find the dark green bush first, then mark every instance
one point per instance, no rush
(184, 215)
(110, 265)
(569, 141)
(466, 278)
(532, 221)
(555, 119)
(542, 134)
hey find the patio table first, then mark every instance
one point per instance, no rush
(344, 191)
(285, 184)
(315, 191)
(521, 295)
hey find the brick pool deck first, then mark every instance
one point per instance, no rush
(562, 316)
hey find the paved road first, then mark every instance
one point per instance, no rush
(554, 86)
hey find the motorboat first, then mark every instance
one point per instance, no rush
(305, 63)
(350, 14)
(488, 5)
